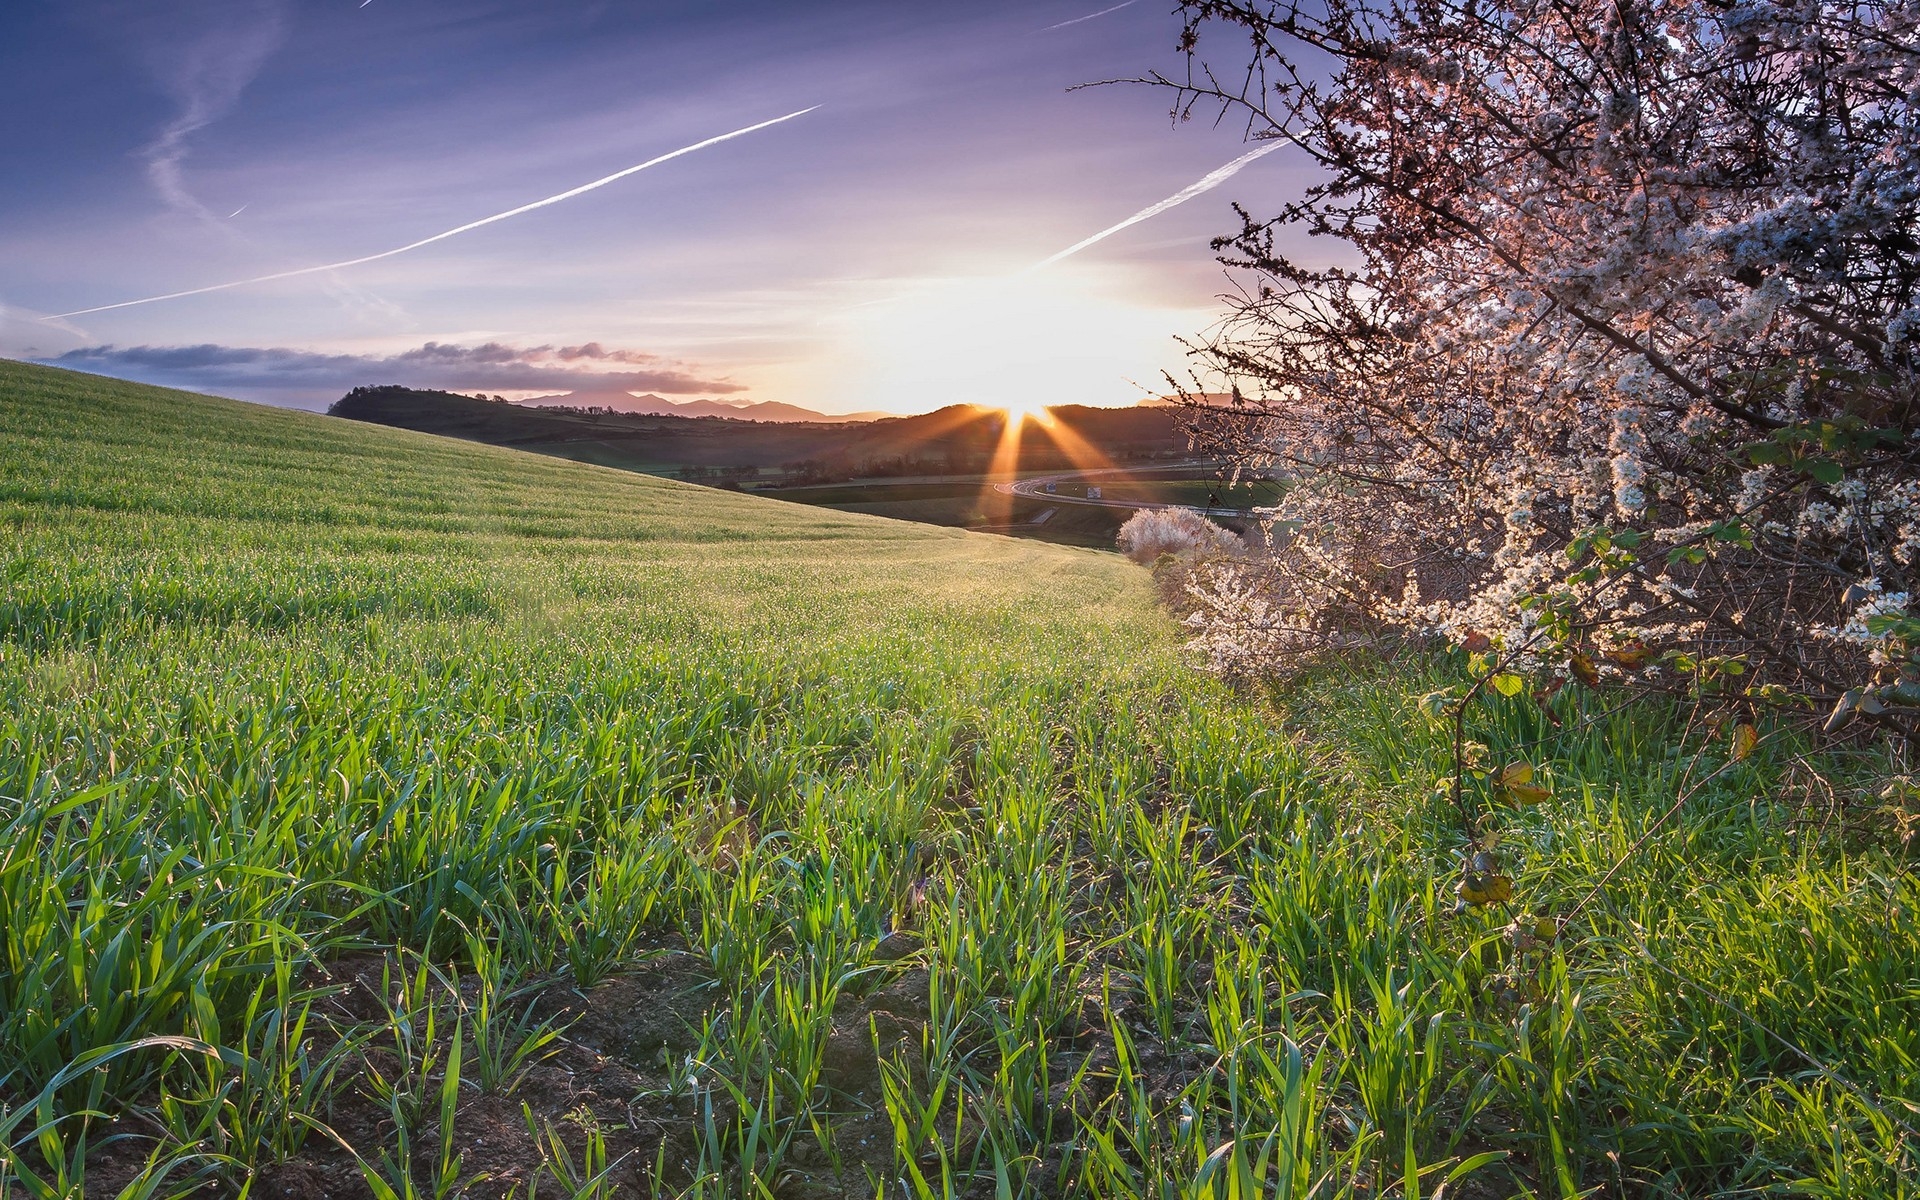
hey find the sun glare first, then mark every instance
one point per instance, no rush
(1019, 344)
(1019, 412)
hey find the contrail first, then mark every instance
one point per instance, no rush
(236, 212)
(1206, 184)
(1090, 16)
(438, 237)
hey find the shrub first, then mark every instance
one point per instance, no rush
(1152, 532)
(1618, 374)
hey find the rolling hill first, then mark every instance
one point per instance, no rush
(951, 441)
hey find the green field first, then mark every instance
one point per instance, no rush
(964, 502)
(388, 815)
(1195, 493)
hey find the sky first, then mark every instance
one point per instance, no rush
(897, 245)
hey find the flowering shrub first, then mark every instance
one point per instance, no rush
(1152, 532)
(1618, 374)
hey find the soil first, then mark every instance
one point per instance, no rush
(619, 1069)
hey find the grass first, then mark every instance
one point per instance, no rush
(390, 816)
(1194, 493)
(961, 502)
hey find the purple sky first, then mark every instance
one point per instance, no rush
(872, 253)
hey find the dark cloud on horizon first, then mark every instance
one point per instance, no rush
(308, 379)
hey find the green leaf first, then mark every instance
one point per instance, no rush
(1824, 470)
(1508, 684)
(1893, 623)
(1732, 531)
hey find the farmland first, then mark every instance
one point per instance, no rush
(930, 468)
(382, 814)
(964, 502)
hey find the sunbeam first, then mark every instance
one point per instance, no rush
(1077, 450)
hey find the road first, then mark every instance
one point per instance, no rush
(1036, 489)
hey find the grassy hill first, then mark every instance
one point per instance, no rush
(387, 815)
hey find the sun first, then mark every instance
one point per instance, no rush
(1018, 344)
(1019, 412)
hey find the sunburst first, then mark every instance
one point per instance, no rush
(1020, 418)
(1019, 412)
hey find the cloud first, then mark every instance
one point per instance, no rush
(306, 378)
(203, 57)
(25, 333)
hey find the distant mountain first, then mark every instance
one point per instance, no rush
(651, 405)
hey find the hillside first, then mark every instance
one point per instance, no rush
(384, 814)
(345, 504)
(957, 440)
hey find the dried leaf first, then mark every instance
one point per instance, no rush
(1631, 656)
(1485, 889)
(1584, 670)
(1745, 738)
(1515, 783)
(1521, 793)
(1842, 709)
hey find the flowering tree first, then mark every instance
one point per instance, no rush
(1152, 532)
(1616, 373)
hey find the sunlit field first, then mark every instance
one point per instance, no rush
(387, 815)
